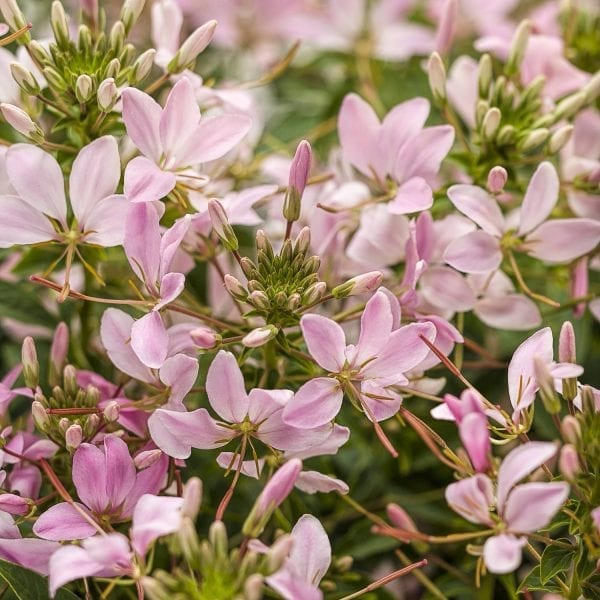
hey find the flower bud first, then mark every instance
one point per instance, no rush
(130, 13)
(559, 138)
(491, 123)
(155, 590)
(571, 429)
(192, 47)
(484, 76)
(90, 9)
(253, 587)
(496, 179)
(568, 462)
(217, 536)
(278, 552)
(204, 337)
(84, 88)
(22, 122)
(73, 437)
(533, 139)
(63, 425)
(588, 400)
(147, 458)
(567, 351)
(111, 412)
(260, 336)
(107, 95)
(506, 135)
(436, 73)
(70, 385)
(235, 287)
(192, 497)
(367, 282)
(112, 69)
(92, 424)
(116, 38)
(25, 79)
(518, 47)
(299, 171)
(545, 382)
(60, 25)
(187, 538)
(400, 518)
(592, 88)
(447, 26)
(221, 226)
(260, 300)
(568, 106)
(481, 109)
(55, 79)
(29, 360)
(40, 416)
(314, 293)
(12, 14)
(595, 514)
(302, 241)
(14, 504)
(142, 66)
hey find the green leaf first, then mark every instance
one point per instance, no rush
(533, 581)
(555, 560)
(19, 301)
(27, 585)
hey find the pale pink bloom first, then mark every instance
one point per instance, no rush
(113, 555)
(8, 393)
(258, 414)
(383, 353)
(523, 508)
(553, 240)
(399, 147)
(108, 486)
(40, 196)
(172, 139)
(307, 563)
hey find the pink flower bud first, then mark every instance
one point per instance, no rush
(204, 337)
(545, 382)
(400, 518)
(60, 347)
(278, 552)
(147, 458)
(64, 424)
(436, 73)
(192, 497)
(73, 437)
(14, 504)
(89, 8)
(261, 335)
(40, 416)
(496, 179)
(300, 168)
(221, 226)
(111, 412)
(253, 587)
(192, 47)
(568, 462)
(107, 94)
(571, 429)
(566, 343)
(234, 287)
(367, 282)
(29, 360)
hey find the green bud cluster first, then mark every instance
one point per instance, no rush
(280, 285)
(580, 31)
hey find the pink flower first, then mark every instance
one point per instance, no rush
(173, 138)
(383, 353)
(257, 414)
(108, 486)
(399, 146)
(554, 240)
(8, 393)
(522, 509)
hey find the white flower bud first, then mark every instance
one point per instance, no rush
(436, 73)
(491, 123)
(559, 138)
(108, 95)
(84, 88)
(260, 336)
(12, 14)
(142, 66)
(22, 122)
(130, 13)
(60, 25)
(73, 437)
(25, 79)
(192, 47)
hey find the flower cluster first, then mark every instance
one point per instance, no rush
(317, 238)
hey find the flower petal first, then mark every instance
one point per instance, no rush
(375, 328)
(105, 223)
(513, 312)
(120, 470)
(540, 197)
(502, 553)
(479, 206)
(413, 195)
(316, 403)
(150, 340)
(145, 181)
(22, 224)
(225, 388)
(141, 115)
(475, 252)
(90, 477)
(154, 517)
(62, 522)
(326, 341)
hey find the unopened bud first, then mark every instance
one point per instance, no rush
(142, 66)
(260, 336)
(55, 79)
(496, 179)
(588, 400)
(314, 293)
(559, 138)
(92, 424)
(545, 382)
(73, 437)
(116, 38)
(278, 552)
(518, 47)
(25, 79)
(130, 13)
(592, 88)
(112, 69)
(534, 139)
(506, 135)
(70, 385)
(84, 88)
(217, 536)
(147, 458)
(12, 14)
(302, 241)
(400, 518)
(63, 425)
(568, 106)
(22, 122)
(155, 590)
(29, 360)
(344, 563)
(253, 587)
(481, 108)
(107, 95)
(571, 429)
(204, 337)
(260, 300)
(568, 462)
(235, 287)
(491, 123)
(14, 504)
(60, 25)
(248, 267)
(484, 76)
(299, 171)
(187, 538)
(367, 282)
(40, 416)
(192, 47)
(567, 350)
(436, 73)
(111, 412)
(221, 226)
(84, 39)
(192, 497)
(90, 9)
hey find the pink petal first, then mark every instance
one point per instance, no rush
(145, 181)
(531, 506)
(171, 286)
(475, 437)
(120, 470)
(90, 477)
(563, 240)
(311, 552)
(22, 224)
(276, 433)
(513, 312)
(148, 481)
(95, 175)
(472, 498)
(414, 195)
(540, 198)
(29, 553)
(179, 373)
(154, 517)
(375, 328)
(502, 553)
(38, 179)
(290, 587)
(479, 206)
(213, 138)
(176, 433)
(263, 403)
(475, 252)
(142, 242)
(141, 115)
(68, 564)
(63, 522)
(446, 288)
(316, 403)
(519, 463)
(326, 341)
(225, 388)
(149, 340)
(383, 403)
(170, 242)
(105, 222)
(312, 482)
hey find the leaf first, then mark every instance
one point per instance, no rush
(19, 301)
(533, 582)
(555, 560)
(27, 585)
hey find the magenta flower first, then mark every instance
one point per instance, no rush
(39, 211)
(107, 485)
(257, 414)
(399, 147)
(522, 509)
(383, 353)
(307, 563)
(172, 139)
(554, 240)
